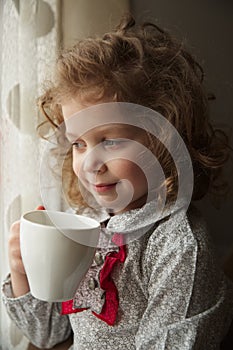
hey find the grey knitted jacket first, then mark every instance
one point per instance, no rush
(171, 293)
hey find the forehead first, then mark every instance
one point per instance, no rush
(103, 118)
(75, 105)
(112, 119)
(70, 107)
(114, 130)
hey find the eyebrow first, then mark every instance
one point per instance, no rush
(105, 128)
(71, 137)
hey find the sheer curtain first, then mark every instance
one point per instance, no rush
(29, 37)
(31, 31)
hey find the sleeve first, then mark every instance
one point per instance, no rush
(188, 300)
(41, 322)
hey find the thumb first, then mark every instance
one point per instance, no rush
(40, 207)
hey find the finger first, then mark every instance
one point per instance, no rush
(15, 227)
(16, 265)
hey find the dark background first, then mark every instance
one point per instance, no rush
(206, 26)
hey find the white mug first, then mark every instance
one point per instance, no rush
(57, 250)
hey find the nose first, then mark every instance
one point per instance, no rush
(93, 162)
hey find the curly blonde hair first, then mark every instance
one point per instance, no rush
(144, 65)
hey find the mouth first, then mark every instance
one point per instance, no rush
(100, 188)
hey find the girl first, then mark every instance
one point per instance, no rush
(156, 286)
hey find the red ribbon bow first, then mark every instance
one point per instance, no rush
(109, 310)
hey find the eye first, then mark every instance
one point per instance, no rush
(79, 145)
(112, 143)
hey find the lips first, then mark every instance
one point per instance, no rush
(104, 187)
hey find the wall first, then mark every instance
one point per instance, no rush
(83, 18)
(206, 26)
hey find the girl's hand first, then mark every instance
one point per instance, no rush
(14, 253)
(19, 280)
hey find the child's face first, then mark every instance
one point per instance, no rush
(101, 162)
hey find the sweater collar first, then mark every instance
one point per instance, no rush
(134, 223)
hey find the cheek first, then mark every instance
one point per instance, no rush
(139, 175)
(130, 171)
(138, 180)
(76, 165)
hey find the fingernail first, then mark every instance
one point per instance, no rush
(40, 207)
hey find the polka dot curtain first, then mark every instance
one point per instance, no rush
(29, 37)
